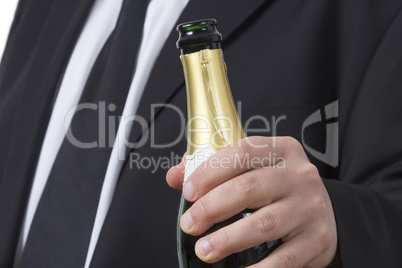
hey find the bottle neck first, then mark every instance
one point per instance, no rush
(213, 120)
(199, 47)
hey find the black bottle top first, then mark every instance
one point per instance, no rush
(198, 35)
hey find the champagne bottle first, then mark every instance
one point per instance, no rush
(213, 124)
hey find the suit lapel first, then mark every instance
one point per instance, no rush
(167, 77)
(42, 39)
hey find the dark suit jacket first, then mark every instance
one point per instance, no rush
(284, 58)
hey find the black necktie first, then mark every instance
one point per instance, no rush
(62, 225)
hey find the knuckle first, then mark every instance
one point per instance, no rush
(223, 240)
(322, 237)
(286, 261)
(325, 237)
(244, 150)
(247, 184)
(322, 231)
(290, 143)
(317, 205)
(311, 171)
(308, 173)
(202, 176)
(205, 206)
(265, 222)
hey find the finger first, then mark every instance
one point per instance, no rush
(267, 224)
(253, 189)
(247, 154)
(175, 175)
(295, 253)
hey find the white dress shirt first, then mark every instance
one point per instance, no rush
(161, 16)
(7, 9)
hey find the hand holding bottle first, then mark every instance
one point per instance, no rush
(286, 191)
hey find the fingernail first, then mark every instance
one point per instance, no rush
(205, 247)
(189, 190)
(187, 221)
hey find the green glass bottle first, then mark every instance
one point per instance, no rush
(213, 124)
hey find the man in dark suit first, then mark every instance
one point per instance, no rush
(284, 59)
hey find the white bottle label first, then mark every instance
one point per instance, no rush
(196, 159)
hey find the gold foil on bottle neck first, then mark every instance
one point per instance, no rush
(212, 116)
